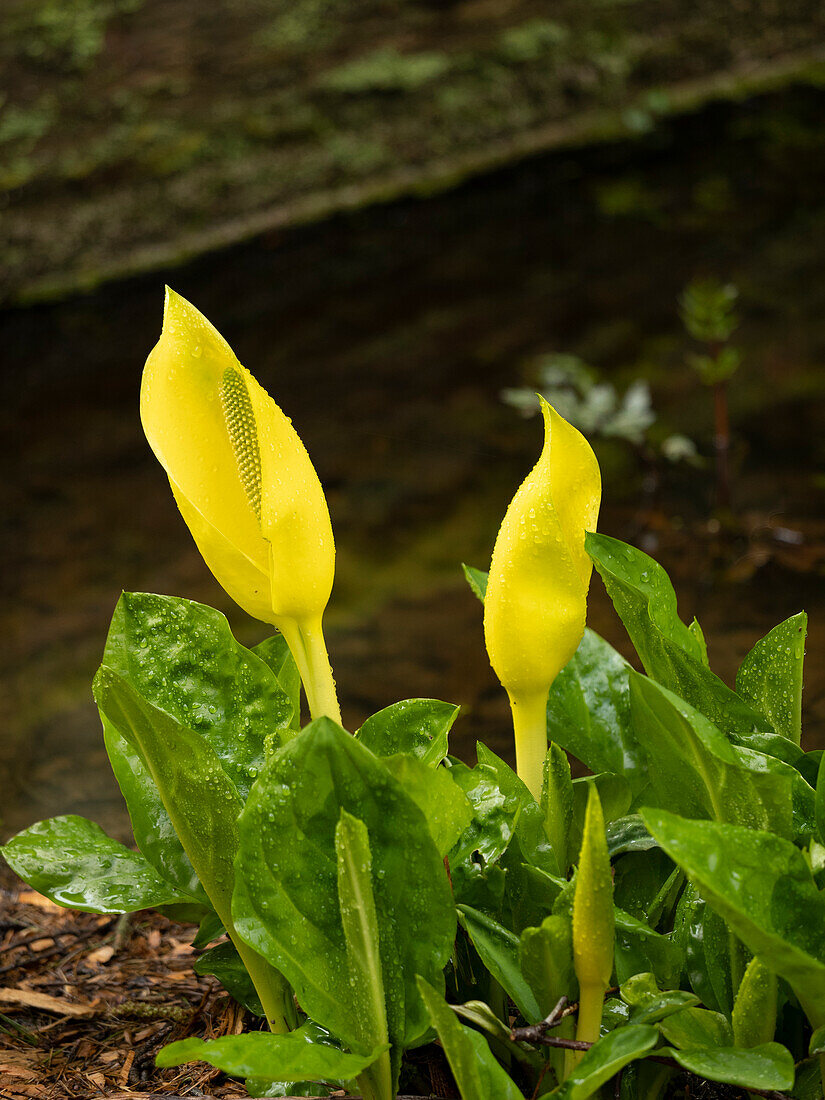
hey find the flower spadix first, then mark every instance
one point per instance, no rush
(244, 484)
(536, 602)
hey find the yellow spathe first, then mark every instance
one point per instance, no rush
(536, 601)
(240, 474)
(245, 486)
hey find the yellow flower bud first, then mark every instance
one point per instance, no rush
(536, 602)
(593, 925)
(243, 482)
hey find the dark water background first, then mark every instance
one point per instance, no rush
(387, 335)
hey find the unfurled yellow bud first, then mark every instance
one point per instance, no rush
(245, 485)
(536, 601)
(593, 924)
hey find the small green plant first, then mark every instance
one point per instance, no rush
(708, 310)
(658, 921)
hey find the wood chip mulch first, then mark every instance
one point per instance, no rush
(87, 1001)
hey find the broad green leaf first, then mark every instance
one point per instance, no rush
(152, 827)
(695, 771)
(639, 948)
(649, 1005)
(275, 653)
(705, 939)
(477, 580)
(224, 963)
(765, 1067)
(643, 593)
(605, 1058)
(445, 806)
(182, 659)
(588, 712)
(261, 1054)
(73, 862)
(670, 653)
(546, 961)
(762, 886)
(628, 834)
(808, 1083)
(477, 1074)
(286, 899)
(770, 678)
(697, 1027)
(211, 928)
(496, 808)
(499, 951)
(419, 727)
(199, 797)
(379, 1007)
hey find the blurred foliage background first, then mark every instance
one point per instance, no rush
(407, 217)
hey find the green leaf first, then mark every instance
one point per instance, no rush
(557, 804)
(379, 1006)
(764, 1067)
(695, 771)
(605, 1058)
(499, 951)
(628, 834)
(638, 880)
(546, 961)
(770, 678)
(670, 652)
(808, 1083)
(73, 862)
(260, 1054)
(446, 807)
(697, 1027)
(754, 1011)
(224, 962)
(819, 801)
(614, 794)
(817, 1041)
(477, 580)
(419, 727)
(588, 712)
(151, 825)
(639, 948)
(182, 659)
(275, 653)
(286, 900)
(706, 943)
(649, 1005)
(478, 1075)
(762, 886)
(199, 797)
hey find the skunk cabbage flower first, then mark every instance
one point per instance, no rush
(536, 602)
(245, 486)
(593, 925)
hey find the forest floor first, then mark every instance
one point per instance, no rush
(137, 133)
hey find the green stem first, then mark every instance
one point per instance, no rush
(530, 728)
(306, 643)
(589, 1022)
(375, 1083)
(270, 985)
